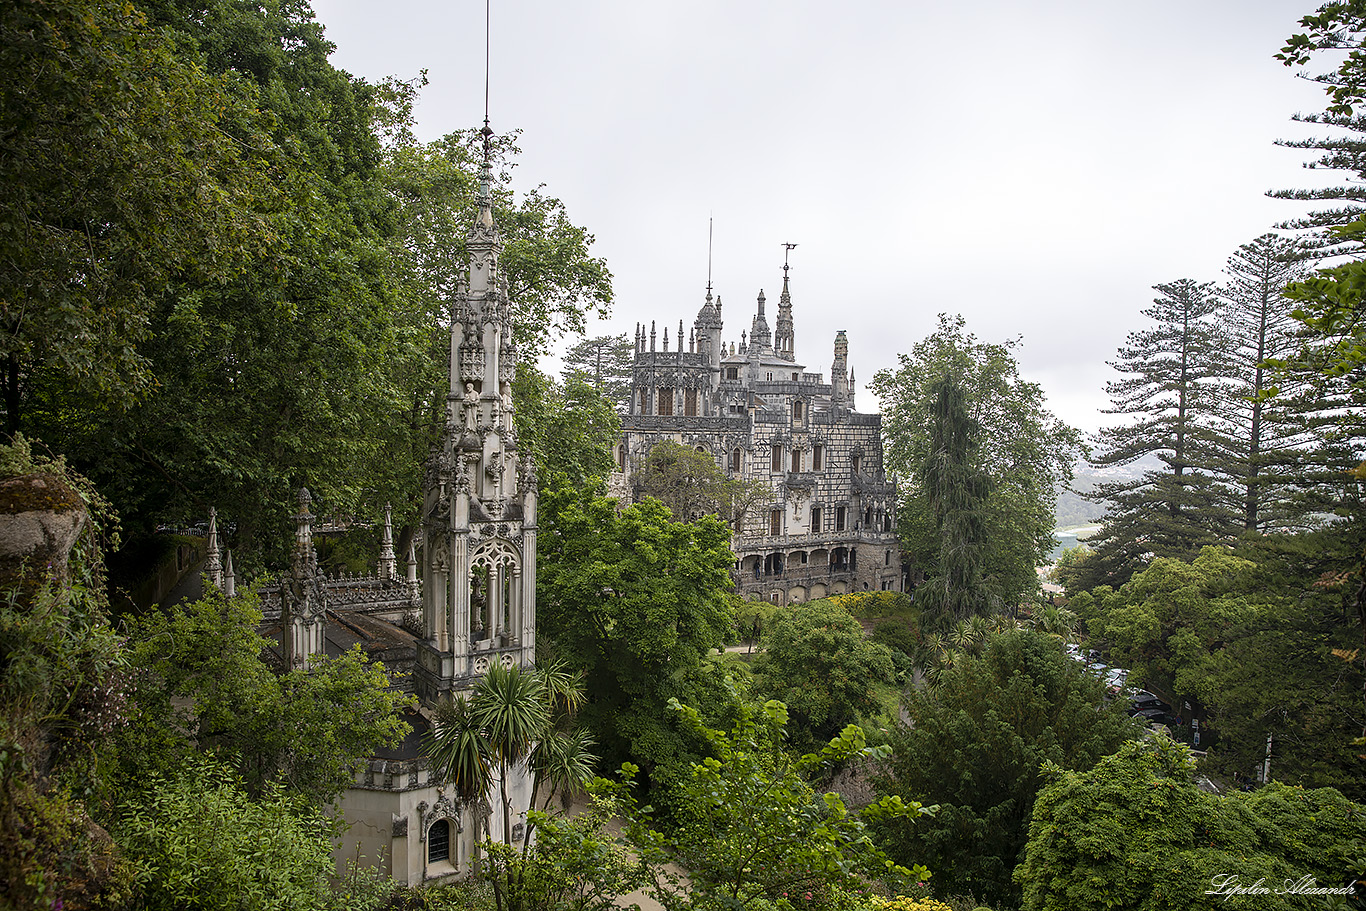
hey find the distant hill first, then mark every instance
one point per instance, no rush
(1074, 509)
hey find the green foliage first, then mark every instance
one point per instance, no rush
(575, 864)
(567, 428)
(1070, 571)
(197, 840)
(974, 744)
(201, 685)
(62, 688)
(1136, 832)
(818, 663)
(634, 600)
(1025, 452)
(127, 168)
(1253, 643)
(1168, 394)
(692, 485)
(752, 833)
(603, 362)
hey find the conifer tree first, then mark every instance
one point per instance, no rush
(957, 492)
(1267, 418)
(603, 362)
(1168, 392)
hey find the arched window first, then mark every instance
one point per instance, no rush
(621, 457)
(735, 460)
(439, 842)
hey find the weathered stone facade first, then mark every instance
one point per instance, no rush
(468, 602)
(829, 526)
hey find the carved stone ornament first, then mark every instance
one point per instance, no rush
(400, 827)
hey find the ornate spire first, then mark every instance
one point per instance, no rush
(760, 338)
(213, 562)
(305, 560)
(229, 578)
(388, 563)
(784, 341)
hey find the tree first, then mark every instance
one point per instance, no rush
(956, 491)
(604, 361)
(1268, 420)
(752, 832)
(514, 719)
(973, 743)
(1175, 510)
(202, 686)
(1251, 644)
(1136, 832)
(1334, 28)
(128, 168)
(691, 485)
(1022, 449)
(819, 664)
(634, 600)
(197, 840)
(568, 429)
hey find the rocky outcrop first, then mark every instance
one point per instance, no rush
(41, 518)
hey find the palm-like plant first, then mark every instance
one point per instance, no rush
(513, 715)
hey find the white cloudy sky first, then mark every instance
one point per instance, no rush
(1036, 165)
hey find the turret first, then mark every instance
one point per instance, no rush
(839, 370)
(760, 338)
(784, 341)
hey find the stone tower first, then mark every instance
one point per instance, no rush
(479, 504)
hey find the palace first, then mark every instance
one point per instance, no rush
(829, 525)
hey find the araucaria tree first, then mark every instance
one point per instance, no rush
(1167, 393)
(603, 362)
(1267, 420)
(1025, 452)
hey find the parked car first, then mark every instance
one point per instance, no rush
(1145, 700)
(1159, 715)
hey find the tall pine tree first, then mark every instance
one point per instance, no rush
(1171, 370)
(1267, 419)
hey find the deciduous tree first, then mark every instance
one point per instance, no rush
(635, 600)
(1136, 832)
(818, 662)
(1023, 450)
(973, 744)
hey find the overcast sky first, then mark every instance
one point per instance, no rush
(1034, 166)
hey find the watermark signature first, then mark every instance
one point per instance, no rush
(1228, 885)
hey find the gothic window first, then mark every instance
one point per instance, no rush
(815, 520)
(839, 518)
(644, 401)
(439, 842)
(777, 462)
(735, 460)
(621, 457)
(794, 377)
(770, 376)
(855, 460)
(775, 521)
(817, 451)
(732, 373)
(690, 403)
(797, 411)
(887, 560)
(868, 518)
(796, 460)
(666, 400)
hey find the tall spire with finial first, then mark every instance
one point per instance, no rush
(213, 563)
(784, 340)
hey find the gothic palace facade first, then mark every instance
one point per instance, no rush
(829, 527)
